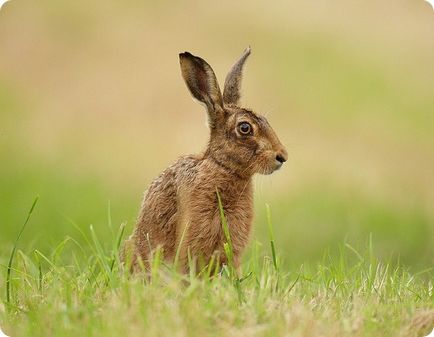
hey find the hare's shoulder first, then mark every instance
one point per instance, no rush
(186, 168)
(160, 209)
(182, 171)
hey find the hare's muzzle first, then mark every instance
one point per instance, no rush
(281, 157)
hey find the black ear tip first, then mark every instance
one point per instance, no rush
(184, 54)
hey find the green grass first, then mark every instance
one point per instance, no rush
(80, 290)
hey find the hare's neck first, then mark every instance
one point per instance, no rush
(234, 190)
(229, 182)
(229, 167)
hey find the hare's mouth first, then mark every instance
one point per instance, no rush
(277, 165)
(270, 168)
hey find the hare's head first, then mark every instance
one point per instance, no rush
(241, 140)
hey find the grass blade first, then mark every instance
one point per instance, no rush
(11, 258)
(271, 234)
(228, 248)
(117, 245)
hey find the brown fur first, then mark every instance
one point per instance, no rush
(184, 198)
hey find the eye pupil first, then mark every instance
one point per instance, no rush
(245, 128)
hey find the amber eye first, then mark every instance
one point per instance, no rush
(245, 128)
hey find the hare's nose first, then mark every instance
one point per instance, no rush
(281, 158)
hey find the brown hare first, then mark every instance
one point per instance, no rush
(180, 211)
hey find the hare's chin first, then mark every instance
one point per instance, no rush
(270, 169)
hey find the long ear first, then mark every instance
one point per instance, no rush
(231, 93)
(202, 83)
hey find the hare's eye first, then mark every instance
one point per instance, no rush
(245, 128)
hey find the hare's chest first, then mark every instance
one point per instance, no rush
(239, 221)
(199, 222)
(208, 225)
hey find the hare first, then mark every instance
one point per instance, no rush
(180, 210)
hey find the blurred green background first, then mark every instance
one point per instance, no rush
(93, 107)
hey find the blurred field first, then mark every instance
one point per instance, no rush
(92, 107)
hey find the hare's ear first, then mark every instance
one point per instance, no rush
(231, 92)
(202, 83)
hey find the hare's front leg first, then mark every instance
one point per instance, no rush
(204, 240)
